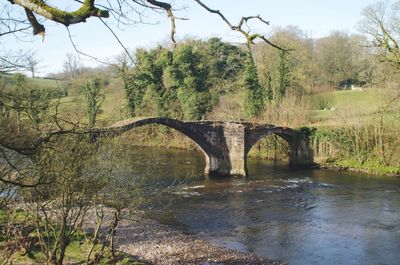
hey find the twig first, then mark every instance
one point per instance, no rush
(249, 37)
(116, 37)
(85, 54)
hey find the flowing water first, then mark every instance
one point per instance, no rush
(303, 217)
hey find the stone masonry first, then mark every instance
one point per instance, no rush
(225, 144)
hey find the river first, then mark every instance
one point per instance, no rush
(304, 217)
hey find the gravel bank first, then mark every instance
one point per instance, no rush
(156, 243)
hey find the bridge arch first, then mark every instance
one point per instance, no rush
(258, 134)
(191, 130)
(299, 153)
(269, 146)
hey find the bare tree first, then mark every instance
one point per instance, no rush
(381, 23)
(12, 61)
(72, 66)
(242, 27)
(32, 65)
(62, 203)
(12, 21)
(338, 55)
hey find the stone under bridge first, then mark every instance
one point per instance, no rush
(224, 144)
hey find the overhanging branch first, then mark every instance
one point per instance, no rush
(66, 18)
(168, 8)
(239, 28)
(38, 29)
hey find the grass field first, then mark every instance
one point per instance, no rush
(353, 106)
(36, 82)
(357, 98)
(47, 83)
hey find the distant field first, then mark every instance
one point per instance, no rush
(358, 99)
(114, 107)
(354, 105)
(46, 83)
(37, 82)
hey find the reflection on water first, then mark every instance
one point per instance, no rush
(302, 217)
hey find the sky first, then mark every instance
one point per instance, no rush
(317, 18)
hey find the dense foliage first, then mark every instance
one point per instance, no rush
(185, 82)
(254, 100)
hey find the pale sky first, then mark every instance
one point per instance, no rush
(315, 17)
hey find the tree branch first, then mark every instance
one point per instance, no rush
(38, 29)
(82, 53)
(66, 18)
(16, 171)
(214, 11)
(168, 8)
(239, 28)
(119, 41)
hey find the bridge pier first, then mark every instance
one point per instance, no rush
(229, 140)
(300, 153)
(225, 167)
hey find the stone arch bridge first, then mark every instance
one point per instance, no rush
(224, 144)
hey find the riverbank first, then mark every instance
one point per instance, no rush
(155, 243)
(335, 167)
(140, 240)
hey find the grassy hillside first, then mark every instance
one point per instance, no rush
(36, 82)
(46, 83)
(353, 106)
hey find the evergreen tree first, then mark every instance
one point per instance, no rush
(283, 74)
(190, 76)
(254, 96)
(94, 98)
(270, 90)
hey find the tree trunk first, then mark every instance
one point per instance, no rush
(95, 237)
(63, 246)
(113, 230)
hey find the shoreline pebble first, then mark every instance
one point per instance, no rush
(159, 244)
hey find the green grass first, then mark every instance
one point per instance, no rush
(75, 254)
(113, 109)
(349, 106)
(36, 82)
(46, 83)
(76, 251)
(371, 166)
(322, 114)
(343, 98)
(18, 216)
